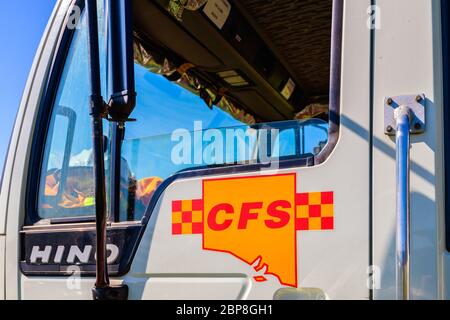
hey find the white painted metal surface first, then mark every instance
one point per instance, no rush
(2, 268)
(407, 61)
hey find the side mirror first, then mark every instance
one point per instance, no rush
(121, 84)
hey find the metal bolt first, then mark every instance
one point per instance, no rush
(389, 129)
(390, 101)
(418, 98)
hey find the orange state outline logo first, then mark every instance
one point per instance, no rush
(259, 228)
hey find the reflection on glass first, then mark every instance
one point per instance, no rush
(153, 159)
(67, 179)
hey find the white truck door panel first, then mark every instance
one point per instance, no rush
(333, 261)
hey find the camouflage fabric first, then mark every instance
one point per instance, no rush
(177, 7)
(312, 111)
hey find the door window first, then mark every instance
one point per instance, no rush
(66, 187)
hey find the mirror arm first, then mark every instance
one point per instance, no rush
(121, 82)
(102, 290)
(122, 86)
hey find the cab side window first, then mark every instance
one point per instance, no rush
(66, 184)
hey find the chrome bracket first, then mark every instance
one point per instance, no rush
(416, 105)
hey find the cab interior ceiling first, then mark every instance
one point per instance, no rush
(270, 43)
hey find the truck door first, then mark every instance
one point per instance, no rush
(210, 230)
(288, 220)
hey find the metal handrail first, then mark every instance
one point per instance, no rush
(403, 121)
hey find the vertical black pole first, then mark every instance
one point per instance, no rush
(117, 136)
(121, 86)
(97, 113)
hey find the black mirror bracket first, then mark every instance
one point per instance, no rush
(121, 105)
(111, 293)
(102, 290)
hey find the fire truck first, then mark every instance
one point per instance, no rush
(225, 149)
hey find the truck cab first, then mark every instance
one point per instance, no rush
(245, 150)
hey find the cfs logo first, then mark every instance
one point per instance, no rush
(255, 219)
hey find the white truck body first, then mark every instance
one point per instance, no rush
(354, 260)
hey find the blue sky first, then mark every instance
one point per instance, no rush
(22, 23)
